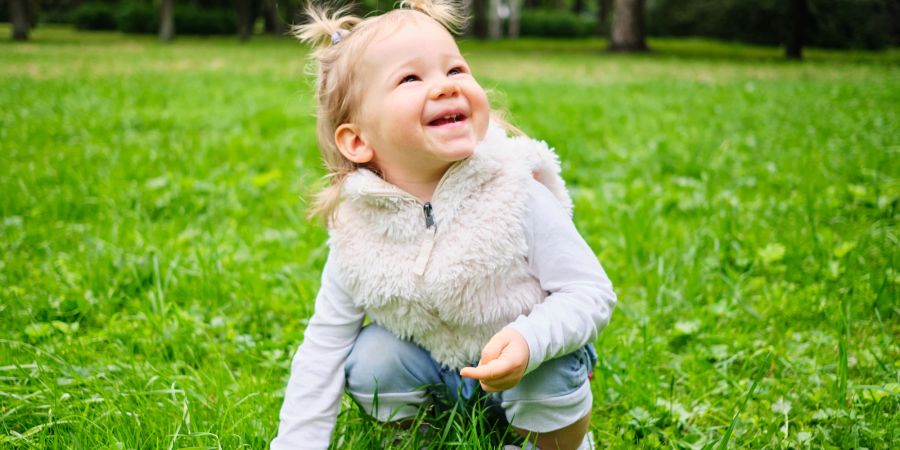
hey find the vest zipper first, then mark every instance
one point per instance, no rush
(428, 243)
(429, 217)
(430, 229)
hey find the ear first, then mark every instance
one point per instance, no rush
(351, 144)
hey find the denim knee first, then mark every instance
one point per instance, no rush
(387, 376)
(554, 395)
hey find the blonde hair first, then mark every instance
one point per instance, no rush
(339, 40)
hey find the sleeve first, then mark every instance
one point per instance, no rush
(581, 297)
(313, 395)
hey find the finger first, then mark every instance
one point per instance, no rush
(498, 385)
(482, 372)
(469, 372)
(489, 387)
(494, 370)
(492, 349)
(503, 381)
(493, 388)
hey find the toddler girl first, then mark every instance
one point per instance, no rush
(452, 236)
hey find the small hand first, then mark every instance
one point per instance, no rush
(503, 361)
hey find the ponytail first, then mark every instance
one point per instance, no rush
(446, 12)
(322, 30)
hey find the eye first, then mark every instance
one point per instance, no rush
(409, 78)
(456, 70)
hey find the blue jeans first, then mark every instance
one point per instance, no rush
(391, 379)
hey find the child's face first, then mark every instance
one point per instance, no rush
(421, 108)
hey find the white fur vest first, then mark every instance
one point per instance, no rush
(451, 286)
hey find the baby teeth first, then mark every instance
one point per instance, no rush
(451, 118)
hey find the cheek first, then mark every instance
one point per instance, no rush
(401, 110)
(477, 96)
(481, 111)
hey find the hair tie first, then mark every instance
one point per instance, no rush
(336, 37)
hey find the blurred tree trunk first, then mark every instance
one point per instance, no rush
(244, 11)
(797, 15)
(295, 12)
(18, 15)
(166, 21)
(627, 26)
(495, 30)
(479, 18)
(602, 13)
(515, 13)
(274, 24)
(578, 6)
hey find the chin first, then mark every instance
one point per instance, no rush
(459, 153)
(460, 149)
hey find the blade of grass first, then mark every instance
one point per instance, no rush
(760, 371)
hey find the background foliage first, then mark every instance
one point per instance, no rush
(859, 24)
(135, 17)
(557, 24)
(870, 24)
(156, 271)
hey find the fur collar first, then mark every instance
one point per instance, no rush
(372, 193)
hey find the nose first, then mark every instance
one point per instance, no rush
(444, 88)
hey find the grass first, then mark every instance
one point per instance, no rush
(156, 269)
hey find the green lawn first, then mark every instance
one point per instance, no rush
(157, 271)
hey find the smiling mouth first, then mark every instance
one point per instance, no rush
(448, 119)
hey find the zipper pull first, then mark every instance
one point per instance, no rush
(427, 244)
(429, 217)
